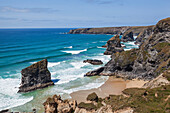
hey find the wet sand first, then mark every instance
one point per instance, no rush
(113, 86)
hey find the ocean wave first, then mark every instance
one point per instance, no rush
(100, 47)
(52, 64)
(69, 47)
(75, 52)
(94, 42)
(102, 41)
(85, 84)
(135, 37)
(9, 96)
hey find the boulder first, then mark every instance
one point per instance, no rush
(93, 62)
(94, 72)
(113, 45)
(57, 105)
(36, 76)
(128, 36)
(92, 97)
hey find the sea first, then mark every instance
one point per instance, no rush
(19, 48)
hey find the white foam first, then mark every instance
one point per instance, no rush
(100, 47)
(135, 37)
(75, 52)
(91, 85)
(127, 49)
(94, 42)
(102, 41)
(9, 96)
(79, 64)
(52, 64)
(69, 47)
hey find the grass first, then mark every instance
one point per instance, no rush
(142, 100)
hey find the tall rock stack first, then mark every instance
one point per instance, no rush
(128, 36)
(113, 45)
(36, 76)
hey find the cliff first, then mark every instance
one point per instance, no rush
(147, 62)
(136, 30)
(36, 76)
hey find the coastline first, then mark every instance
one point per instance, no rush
(113, 86)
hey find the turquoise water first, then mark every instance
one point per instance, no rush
(65, 53)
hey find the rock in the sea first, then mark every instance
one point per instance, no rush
(113, 45)
(36, 76)
(57, 105)
(127, 36)
(147, 62)
(94, 72)
(93, 62)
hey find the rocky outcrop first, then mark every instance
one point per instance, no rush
(144, 35)
(105, 30)
(128, 36)
(147, 62)
(94, 72)
(110, 30)
(113, 45)
(92, 97)
(162, 79)
(36, 76)
(93, 62)
(57, 105)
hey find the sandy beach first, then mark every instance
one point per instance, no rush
(113, 86)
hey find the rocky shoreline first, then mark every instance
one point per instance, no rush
(147, 62)
(150, 62)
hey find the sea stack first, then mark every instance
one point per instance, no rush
(36, 76)
(128, 36)
(113, 45)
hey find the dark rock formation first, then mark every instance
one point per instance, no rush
(93, 62)
(128, 36)
(57, 105)
(105, 30)
(36, 76)
(147, 62)
(113, 46)
(145, 34)
(95, 72)
(5, 111)
(92, 97)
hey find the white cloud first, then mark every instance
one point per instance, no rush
(27, 10)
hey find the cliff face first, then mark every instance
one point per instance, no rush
(105, 30)
(110, 30)
(145, 34)
(35, 77)
(152, 58)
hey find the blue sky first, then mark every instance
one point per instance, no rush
(81, 13)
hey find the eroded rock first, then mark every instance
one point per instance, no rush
(36, 76)
(93, 62)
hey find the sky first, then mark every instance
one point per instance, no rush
(81, 13)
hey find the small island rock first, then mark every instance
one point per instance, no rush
(36, 76)
(93, 62)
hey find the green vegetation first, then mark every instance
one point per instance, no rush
(126, 57)
(92, 97)
(142, 100)
(166, 74)
(87, 106)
